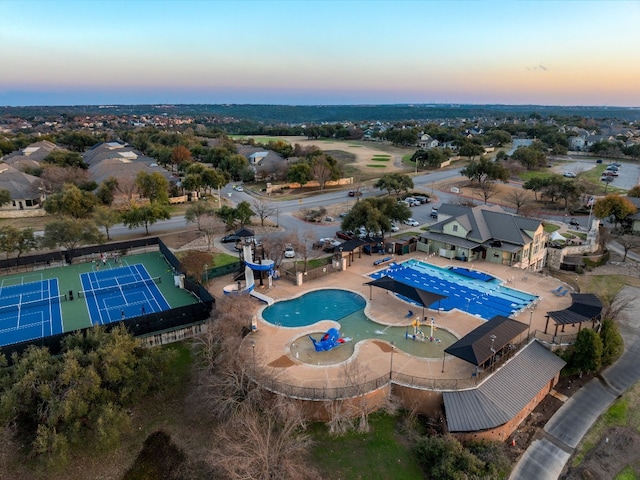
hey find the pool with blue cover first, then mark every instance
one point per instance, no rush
(481, 296)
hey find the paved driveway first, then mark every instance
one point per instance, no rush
(545, 458)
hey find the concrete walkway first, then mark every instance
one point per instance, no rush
(546, 457)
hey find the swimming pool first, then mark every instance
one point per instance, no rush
(470, 291)
(347, 308)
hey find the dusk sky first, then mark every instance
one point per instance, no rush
(300, 52)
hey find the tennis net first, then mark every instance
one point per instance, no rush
(118, 288)
(16, 307)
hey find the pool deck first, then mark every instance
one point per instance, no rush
(372, 358)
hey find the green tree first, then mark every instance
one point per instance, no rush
(536, 185)
(612, 344)
(5, 196)
(153, 186)
(71, 201)
(531, 157)
(394, 182)
(484, 173)
(586, 355)
(244, 213)
(431, 158)
(146, 215)
(106, 191)
(61, 401)
(70, 234)
(300, 172)
(228, 215)
(470, 149)
(65, 158)
(106, 217)
(614, 205)
(14, 239)
(375, 215)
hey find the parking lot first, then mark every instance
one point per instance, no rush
(628, 177)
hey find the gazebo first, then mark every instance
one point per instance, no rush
(481, 346)
(585, 307)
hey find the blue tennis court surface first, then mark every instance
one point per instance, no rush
(477, 296)
(29, 311)
(121, 293)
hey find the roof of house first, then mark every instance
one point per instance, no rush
(487, 223)
(31, 155)
(20, 185)
(505, 393)
(124, 168)
(475, 347)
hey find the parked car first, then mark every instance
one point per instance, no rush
(230, 238)
(434, 213)
(574, 222)
(238, 188)
(411, 222)
(612, 168)
(394, 227)
(355, 193)
(569, 175)
(345, 235)
(599, 160)
(404, 202)
(422, 199)
(289, 252)
(609, 173)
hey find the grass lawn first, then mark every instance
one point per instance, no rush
(551, 227)
(379, 454)
(380, 159)
(376, 165)
(606, 285)
(621, 414)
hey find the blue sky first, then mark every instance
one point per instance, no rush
(298, 52)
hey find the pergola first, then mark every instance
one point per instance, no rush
(585, 307)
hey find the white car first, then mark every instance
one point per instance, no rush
(569, 174)
(411, 222)
(289, 252)
(394, 227)
(238, 188)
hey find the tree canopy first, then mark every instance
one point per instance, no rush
(60, 401)
(71, 201)
(614, 205)
(394, 182)
(70, 234)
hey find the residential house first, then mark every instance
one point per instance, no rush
(426, 141)
(26, 190)
(486, 233)
(635, 218)
(30, 156)
(123, 163)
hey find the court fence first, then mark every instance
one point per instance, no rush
(144, 324)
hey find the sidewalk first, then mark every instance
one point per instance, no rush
(546, 458)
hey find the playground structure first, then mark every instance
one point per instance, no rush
(330, 340)
(419, 334)
(249, 278)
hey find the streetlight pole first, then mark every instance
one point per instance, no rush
(530, 317)
(393, 347)
(277, 217)
(253, 349)
(206, 272)
(493, 350)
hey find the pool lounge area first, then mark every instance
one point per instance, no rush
(474, 292)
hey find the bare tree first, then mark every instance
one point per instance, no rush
(627, 242)
(264, 444)
(321, 170)
(615, 305)
(487, 190)
(263, 210)
(519, 197)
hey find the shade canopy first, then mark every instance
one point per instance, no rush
(244, 233)
(422, 297)
(482, 343)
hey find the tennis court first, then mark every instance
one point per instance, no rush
(120, 293)
(30, 310)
